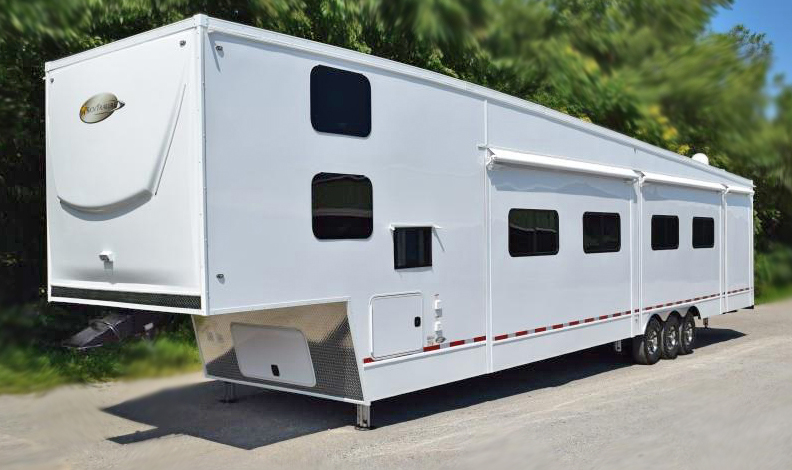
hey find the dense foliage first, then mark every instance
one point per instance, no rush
(647, 68)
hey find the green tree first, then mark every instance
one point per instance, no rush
(647, 68)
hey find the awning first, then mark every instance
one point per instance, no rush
(510, 157)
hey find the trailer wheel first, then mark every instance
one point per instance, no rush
(670, 343)
(646, 348)
(687, 334)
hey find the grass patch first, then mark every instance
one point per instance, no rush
(773, 294)
(30, 368)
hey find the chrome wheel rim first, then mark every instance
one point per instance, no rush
(652, 342)
(687, 333)
(671, 338)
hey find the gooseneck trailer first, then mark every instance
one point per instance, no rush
(352, 228)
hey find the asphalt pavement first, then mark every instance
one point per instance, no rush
(728, 405)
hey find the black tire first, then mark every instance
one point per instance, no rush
(646, 348)
(670, 339)
(687, 334)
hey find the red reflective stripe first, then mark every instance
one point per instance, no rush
(433, 347)
(589, 320)
(539, 330)
(617, 314)
(479, 339)
(573, 323)
(500, 337)
(367, 360)
(457, 343)
(521, 333)
(559, 326)
(603, 317)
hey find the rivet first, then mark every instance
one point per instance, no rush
(220, 276)
(182, 43)
(219, 48)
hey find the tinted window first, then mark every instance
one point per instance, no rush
(665, 232)
(412, 247)
(601, 232)
(703, 232)
(533, 232)
(341, 206)
(340, 102)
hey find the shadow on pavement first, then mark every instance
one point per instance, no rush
(263, 417)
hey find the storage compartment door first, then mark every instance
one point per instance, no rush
(396, 324)
(273, 353)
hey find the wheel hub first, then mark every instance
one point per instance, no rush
(671, 338)
(652, 342)
(687, 333)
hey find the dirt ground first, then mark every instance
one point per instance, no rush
(728, 405)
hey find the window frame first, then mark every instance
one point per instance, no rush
(711, 220)
(652, 236)
(314, 223)
(314, 91)
(618, 241)
(544, 253)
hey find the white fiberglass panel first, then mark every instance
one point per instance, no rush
(123, 193)
(530, 292)
(263, 154)
(738, 256)
(683, 273)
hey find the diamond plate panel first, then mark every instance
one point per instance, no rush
(140, 298)
(325, 327)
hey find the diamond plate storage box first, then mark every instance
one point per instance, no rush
(326, 331)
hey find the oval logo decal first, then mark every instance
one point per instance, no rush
(99, 107)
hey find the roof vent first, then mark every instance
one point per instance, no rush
(701, 158)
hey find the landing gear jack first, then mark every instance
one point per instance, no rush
(229, 393)
(363, 422)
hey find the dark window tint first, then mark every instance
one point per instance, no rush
(340, 102)
(412, 247)
(533, 232)
(341, 206)
(601, 232)
(703, 232)
(665, 232)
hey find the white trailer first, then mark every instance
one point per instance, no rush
(352, 228)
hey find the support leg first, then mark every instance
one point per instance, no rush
(706, 323)
(229, 393)
(363, 418)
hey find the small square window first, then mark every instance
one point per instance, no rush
(341, 206)
(340, 102)
(412, 247)
(703, 232)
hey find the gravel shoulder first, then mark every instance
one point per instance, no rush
(728, 405)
